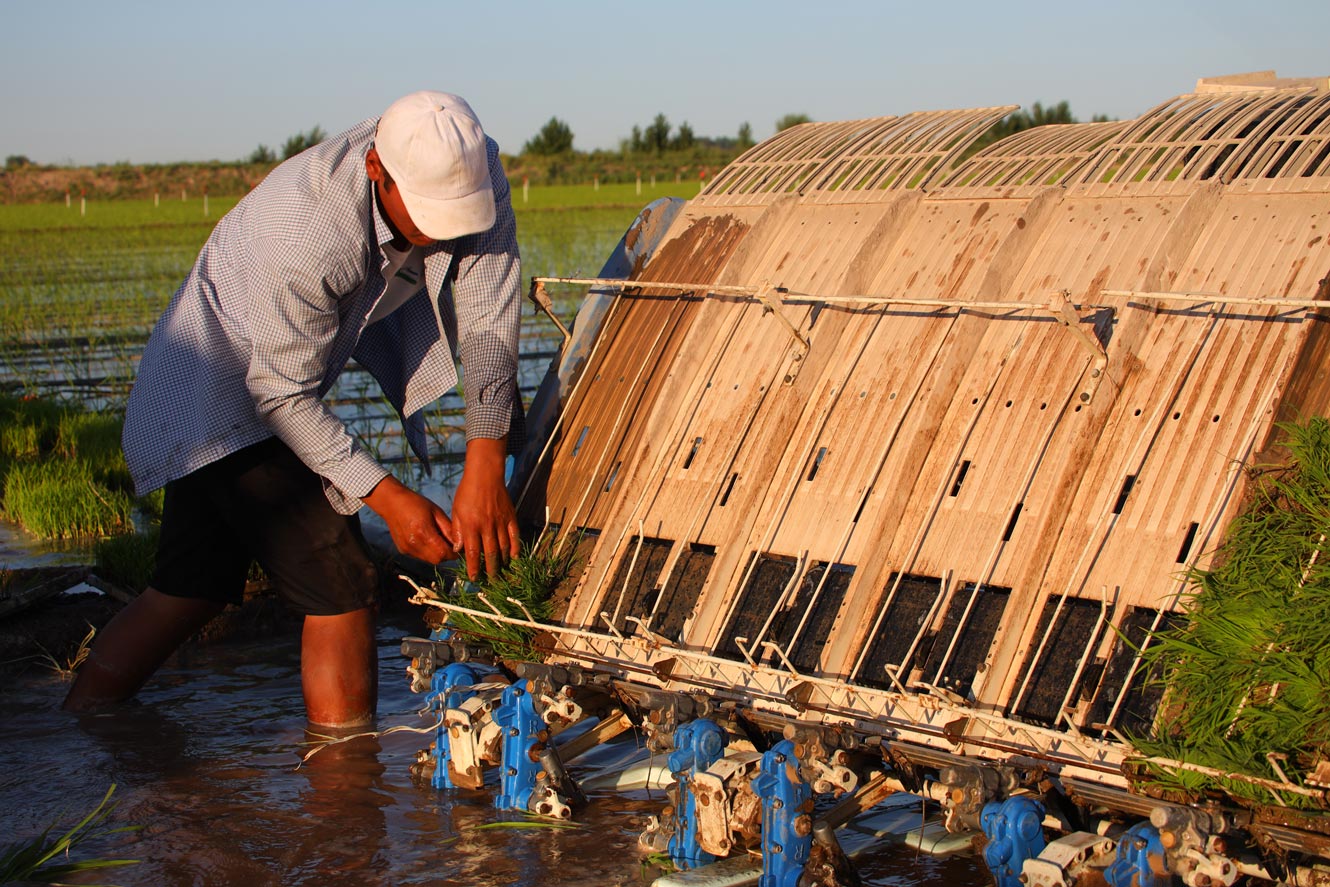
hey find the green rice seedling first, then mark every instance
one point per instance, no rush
(520, 589)
(127, 560)
(20, 441)
(28, 426)
(660, 863)
(91, 437)
(1248, 676)
(528, 823)
(58, 500)
(47, 859)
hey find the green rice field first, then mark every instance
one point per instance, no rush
(81, 287)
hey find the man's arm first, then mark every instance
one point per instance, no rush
(487, 296)
(294, 323)
(483, 515)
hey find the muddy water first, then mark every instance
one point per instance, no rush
(205, 764)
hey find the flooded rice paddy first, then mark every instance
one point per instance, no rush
(205, 760)
(205, 763)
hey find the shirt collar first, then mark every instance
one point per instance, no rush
(382, 233)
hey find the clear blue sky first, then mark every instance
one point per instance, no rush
(148, 82)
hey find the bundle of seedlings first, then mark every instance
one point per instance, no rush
(521, 590)
(1247, 704)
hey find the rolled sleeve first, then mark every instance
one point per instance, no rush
(487, 295)
(294, 321)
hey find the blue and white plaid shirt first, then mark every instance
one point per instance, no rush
(278, 302)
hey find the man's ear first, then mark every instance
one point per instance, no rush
(374, 166)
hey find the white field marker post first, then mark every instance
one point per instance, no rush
(83, 203)
(595, 183)
(66, 198)
(182, 195)
(526, 189)
(156, 198)
(205, 203)
(639, 183)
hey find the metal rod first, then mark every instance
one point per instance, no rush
(786, 295)
(785, 597)
(632, 565)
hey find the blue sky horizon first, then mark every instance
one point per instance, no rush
(145, 81)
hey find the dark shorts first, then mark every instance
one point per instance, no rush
(262, 504)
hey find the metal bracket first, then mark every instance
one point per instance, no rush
(541, 299)
(449, 689)
(698, 744)
(771, 301)
(1064, 312)
(787, 826)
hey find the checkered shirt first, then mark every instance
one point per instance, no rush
(277, 304)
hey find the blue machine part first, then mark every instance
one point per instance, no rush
(445, 694)
(697, 745)
(787, 827)
(1015, 832)
(521, 725)
(1140, 859)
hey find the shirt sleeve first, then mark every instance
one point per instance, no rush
(487, 295)
(293, 321)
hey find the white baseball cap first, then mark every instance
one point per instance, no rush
(434, 148)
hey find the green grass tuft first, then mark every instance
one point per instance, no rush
(1248, 676)
(128, 560)
(58, 500)
(46, 859)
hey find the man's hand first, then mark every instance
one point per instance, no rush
(483, 515)
(419, 528)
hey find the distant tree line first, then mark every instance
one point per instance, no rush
(290, 148)
(1021, 120)
(657, 149)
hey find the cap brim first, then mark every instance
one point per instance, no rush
(448, 219)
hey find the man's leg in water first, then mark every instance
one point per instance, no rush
(339, 669)
(134, 644)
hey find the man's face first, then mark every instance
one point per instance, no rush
(391, 198)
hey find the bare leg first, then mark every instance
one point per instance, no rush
(134, 644)
(339, 669)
